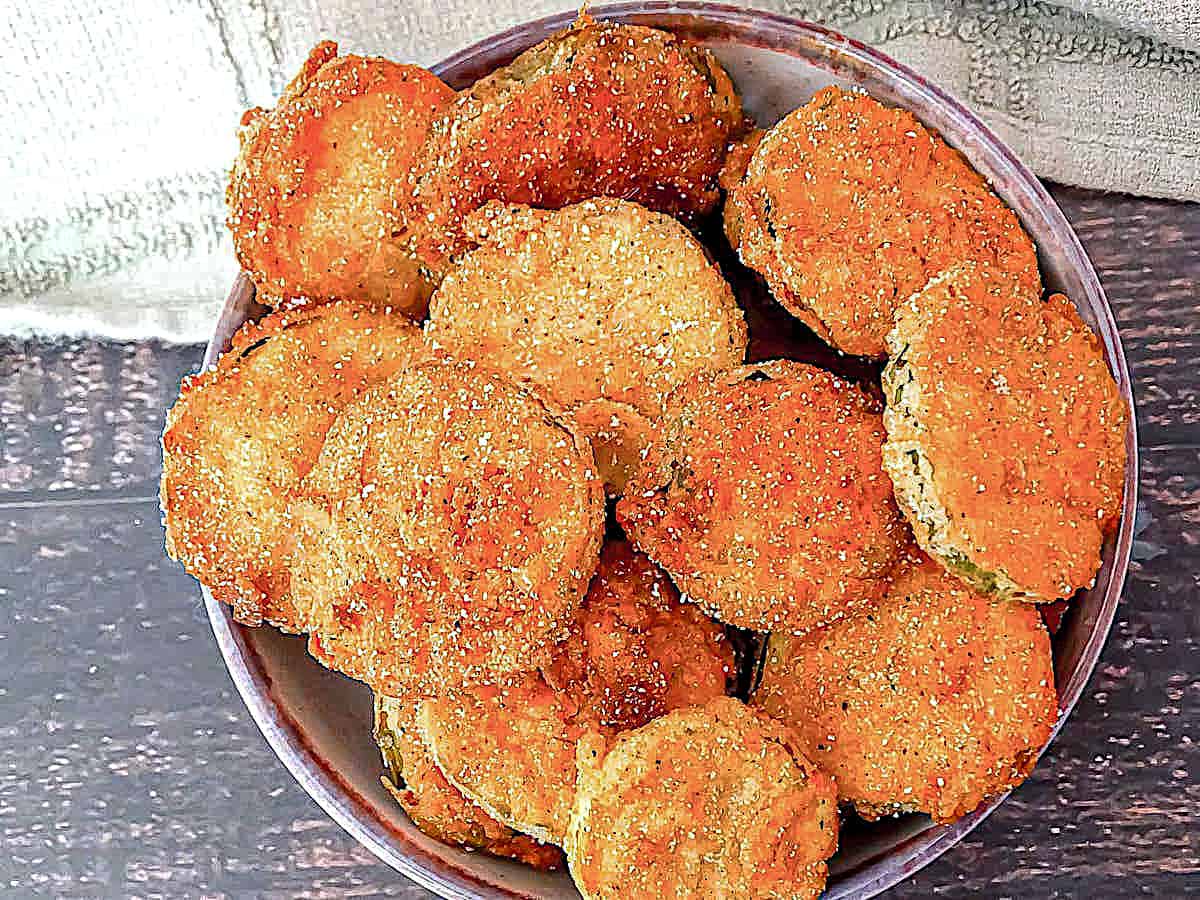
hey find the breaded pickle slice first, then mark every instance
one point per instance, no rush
(243, 434)
(848, 207)
(598, 110)
(447, 532)
(932, 700)
(713, 801)
(313, 194)
(435, 805)
(1006, 434)
(604, 306)
(764, 497)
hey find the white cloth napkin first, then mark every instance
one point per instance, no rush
(120, 120)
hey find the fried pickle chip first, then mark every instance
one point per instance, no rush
(933, 700)
(709, 801)
(849, 207)
(604, 306)
(243, 434)
(633, 653)
(764, 497)
(447, 531)
(510, 749)
(598, 110)
(435, 805)
(312, 197)
(1006, 434)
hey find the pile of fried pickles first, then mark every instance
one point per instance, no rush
(497, 450)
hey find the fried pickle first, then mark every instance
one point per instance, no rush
(712, 801)
(243, 434)
(933, 700)
(313, 195)
(764, 497)
(446, 533)
(598, 110)
(1006, 434)
(633, 653)
(604, 306)
(436, 806)
(849, 207)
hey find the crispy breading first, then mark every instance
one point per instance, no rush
(849, 207)
(737, 160)
(1006, 434)
(932, 700)
(598, 110)
(764, 497)
(447, 531)
(604, 306)
(312, 197)
(243, 434)
(510, 749)
(712, 801)
(436, 806)
(633, 653)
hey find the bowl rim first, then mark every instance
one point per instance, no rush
(343, 804)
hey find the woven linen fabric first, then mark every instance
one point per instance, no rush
(120, 120)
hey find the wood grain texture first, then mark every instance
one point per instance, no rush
(84, 417)
(129, 767)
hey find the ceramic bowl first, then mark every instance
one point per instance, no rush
(320, 723)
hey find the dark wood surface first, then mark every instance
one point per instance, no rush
(129, 767)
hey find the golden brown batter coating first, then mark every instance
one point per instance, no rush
(312, 197)
(849, 207)
(243, 434)
(510, 749)
(598, 110)
(435, 805)
(933, 700)
(1006, 434)
(604, 306)
(633, 653)
(712, 801)
(448, 531)
(765, 499)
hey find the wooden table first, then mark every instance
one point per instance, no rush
(128, 765)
